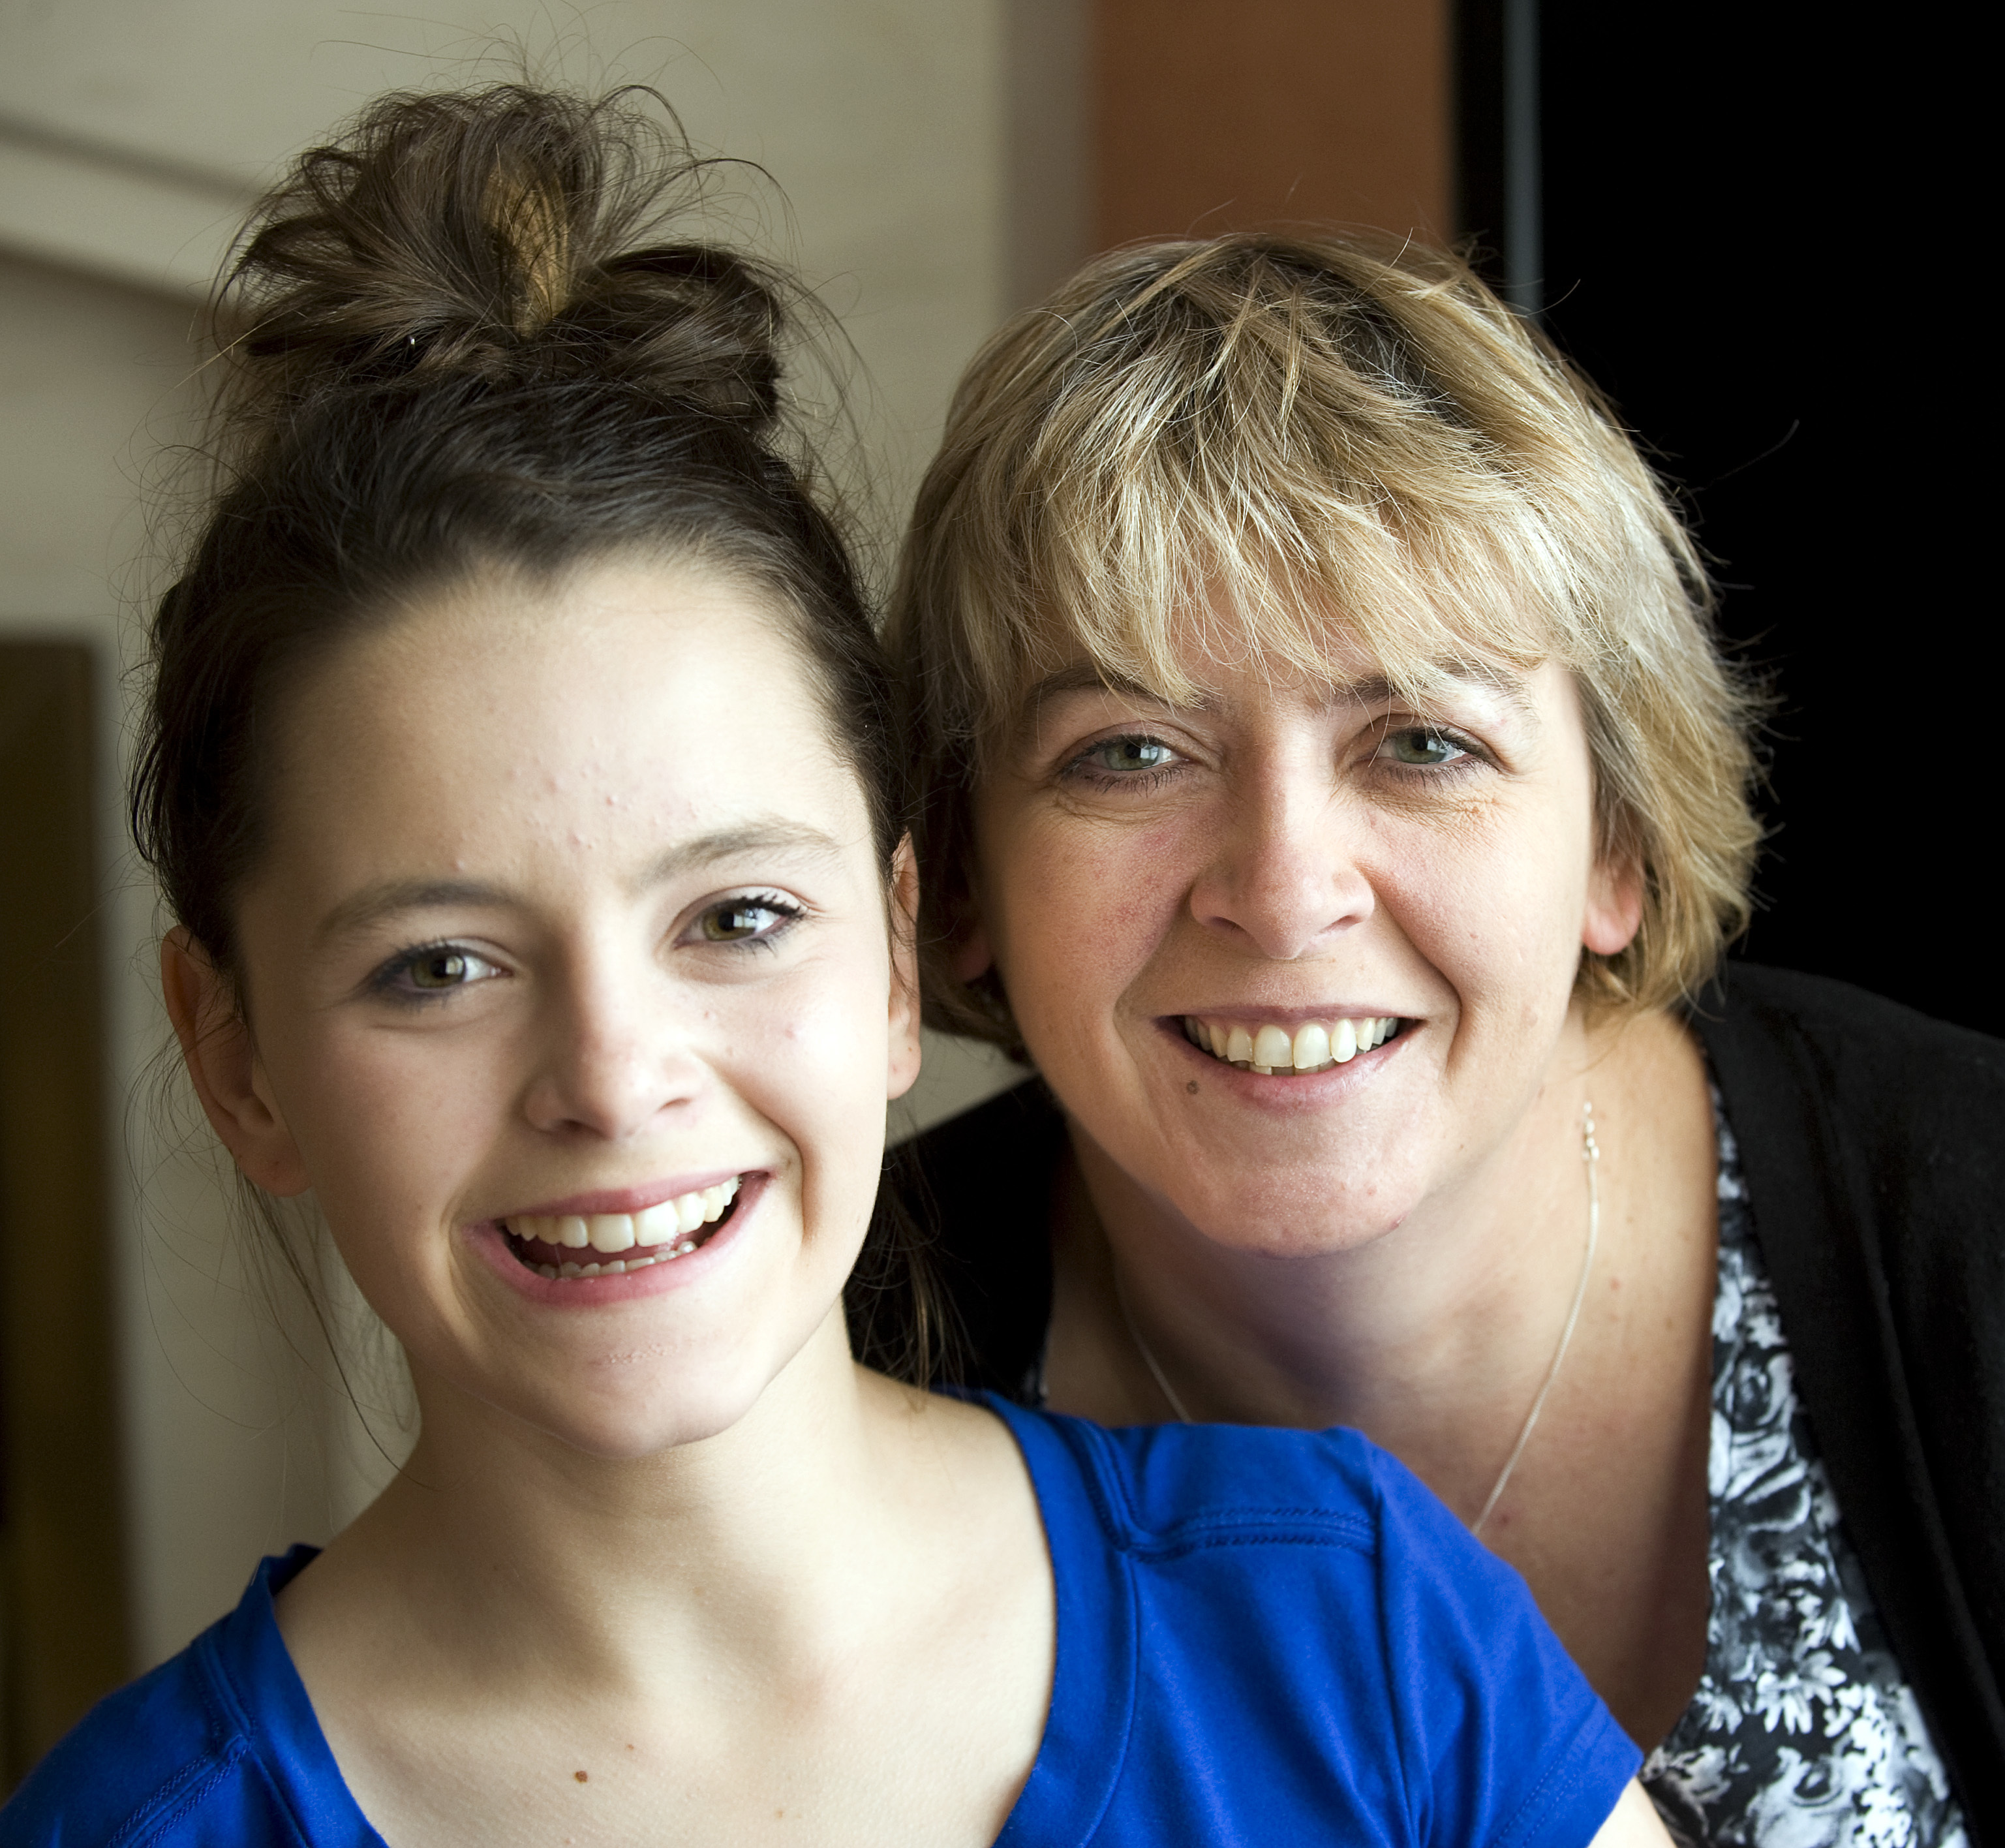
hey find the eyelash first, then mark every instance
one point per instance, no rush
(1473, 758)
(788, 913)
(387, 981)
(384, 982)
(1079, 769)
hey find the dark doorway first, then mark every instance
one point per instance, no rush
(1747, 232)
(62, 1590)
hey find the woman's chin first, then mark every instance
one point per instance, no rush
(1280, 1223)
(616, 1428)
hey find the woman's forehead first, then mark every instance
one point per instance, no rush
(1328, 621)
(1208, 663)
(504, 712)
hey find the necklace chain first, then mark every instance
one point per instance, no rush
(1591, 1154)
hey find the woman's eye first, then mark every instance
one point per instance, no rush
(745, 920)
(1421, 748)
(1129, 757)
(438, 969)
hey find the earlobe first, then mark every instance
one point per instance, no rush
(1614, 907)
(222, 1062)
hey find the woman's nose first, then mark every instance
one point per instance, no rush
(609, 1059)
(1284, 875)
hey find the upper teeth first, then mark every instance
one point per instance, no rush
(622, 1232)
(1310, 1047)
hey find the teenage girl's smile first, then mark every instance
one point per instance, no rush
(569, 1038)
(610, 1234)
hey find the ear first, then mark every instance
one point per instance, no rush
(905, 1001)
(217, 1048)
(1614, 905)
(971, 956)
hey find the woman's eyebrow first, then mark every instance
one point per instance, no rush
(1083, 676)
(373, 904)
(776, 834)
(767, 835)
(1369, 690)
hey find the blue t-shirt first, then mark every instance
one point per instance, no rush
(1264, 1636)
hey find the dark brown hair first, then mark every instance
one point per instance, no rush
(462, 340)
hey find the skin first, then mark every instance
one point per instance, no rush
(1394, 1244)
(666, 1566)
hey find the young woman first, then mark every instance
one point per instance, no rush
(1334, 789)
(518, 770)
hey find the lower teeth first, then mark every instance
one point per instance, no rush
(614, 1266)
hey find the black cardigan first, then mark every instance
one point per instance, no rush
(1873, 1144)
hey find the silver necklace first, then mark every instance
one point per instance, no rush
(1591, 1154)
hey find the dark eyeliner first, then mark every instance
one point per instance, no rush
(383, 982)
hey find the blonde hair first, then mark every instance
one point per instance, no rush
(1289, 445)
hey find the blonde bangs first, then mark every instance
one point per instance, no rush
(1288, 454)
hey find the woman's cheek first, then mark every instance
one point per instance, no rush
(811, 1058)
(1118, 888)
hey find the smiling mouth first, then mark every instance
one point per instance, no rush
(1272, 1050)
(568, 1246)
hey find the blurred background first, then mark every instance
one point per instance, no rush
(1741, 232)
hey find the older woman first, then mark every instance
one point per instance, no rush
(1334, 790)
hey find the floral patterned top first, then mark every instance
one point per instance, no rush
(1803, 1732)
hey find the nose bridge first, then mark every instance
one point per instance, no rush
(613, 1054)
(1285, 871)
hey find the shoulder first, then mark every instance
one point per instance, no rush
(1275, 1514)
(1869, 1137)
(1302, 1604)
(1870, 1143)
(1861, 1122)
(1159, 1489)
(216, 1746)
(1245, 1530)
(1875, 1058)
(140, 1767)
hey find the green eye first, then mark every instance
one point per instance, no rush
(435, 969)
(743, 920)
(1422, 748)
(430, 973)
(1126, 755)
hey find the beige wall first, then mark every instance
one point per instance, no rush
(129, 134)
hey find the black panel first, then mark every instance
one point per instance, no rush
(1751, 238)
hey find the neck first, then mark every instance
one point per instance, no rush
(1433, 1338)
(544, 1563)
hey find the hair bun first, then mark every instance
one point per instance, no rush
(499, 234)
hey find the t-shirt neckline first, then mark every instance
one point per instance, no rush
(1096, 1669)
(1071, 1780)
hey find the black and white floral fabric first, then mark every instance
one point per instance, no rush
(1802, 1734)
